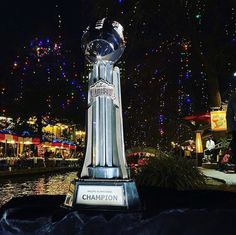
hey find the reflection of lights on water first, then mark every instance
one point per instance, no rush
(39, 189)
(57, 184)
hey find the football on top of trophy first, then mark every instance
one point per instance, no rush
(103, 41)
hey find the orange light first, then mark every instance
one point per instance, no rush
(198, 141)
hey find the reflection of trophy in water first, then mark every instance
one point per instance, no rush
(105, 176)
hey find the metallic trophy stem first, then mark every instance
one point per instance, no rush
(105, 154)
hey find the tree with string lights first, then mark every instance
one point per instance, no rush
(177, 54)
(45, 83)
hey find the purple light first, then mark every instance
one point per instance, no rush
(156, 71)
(161, 118)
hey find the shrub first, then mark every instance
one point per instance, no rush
(170, 172)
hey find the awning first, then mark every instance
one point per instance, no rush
(35, 141)
(203, 117)
(12, 139)
(2, 137)
(59, 145)
(8, 138)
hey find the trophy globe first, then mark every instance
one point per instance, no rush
(103, 41)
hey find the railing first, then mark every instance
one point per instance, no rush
(13, 163)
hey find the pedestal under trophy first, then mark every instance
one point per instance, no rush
(105, 178)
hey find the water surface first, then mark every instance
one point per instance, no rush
(51, 184)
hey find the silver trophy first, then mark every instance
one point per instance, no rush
(105, 180)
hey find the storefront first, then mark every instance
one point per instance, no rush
(59, 149)
(12, 145)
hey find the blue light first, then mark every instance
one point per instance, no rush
(25, 133)
(56, 140)
(161, 117)
(187, 75)
(187, 100)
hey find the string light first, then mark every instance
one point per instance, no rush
(158, 85)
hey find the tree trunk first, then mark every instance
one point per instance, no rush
(213, 88)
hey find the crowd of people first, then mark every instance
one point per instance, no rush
(187, 150)
(222, 157)
(29, 160)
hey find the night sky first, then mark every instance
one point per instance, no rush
(179, 54)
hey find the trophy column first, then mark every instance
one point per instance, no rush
(105, 154)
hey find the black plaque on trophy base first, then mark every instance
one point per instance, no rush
(100, 194)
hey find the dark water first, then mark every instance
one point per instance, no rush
(50, 184)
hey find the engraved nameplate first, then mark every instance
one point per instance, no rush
(100, 195)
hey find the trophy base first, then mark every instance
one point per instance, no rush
(100, 194)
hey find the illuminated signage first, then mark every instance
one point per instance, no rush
(218, 121)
